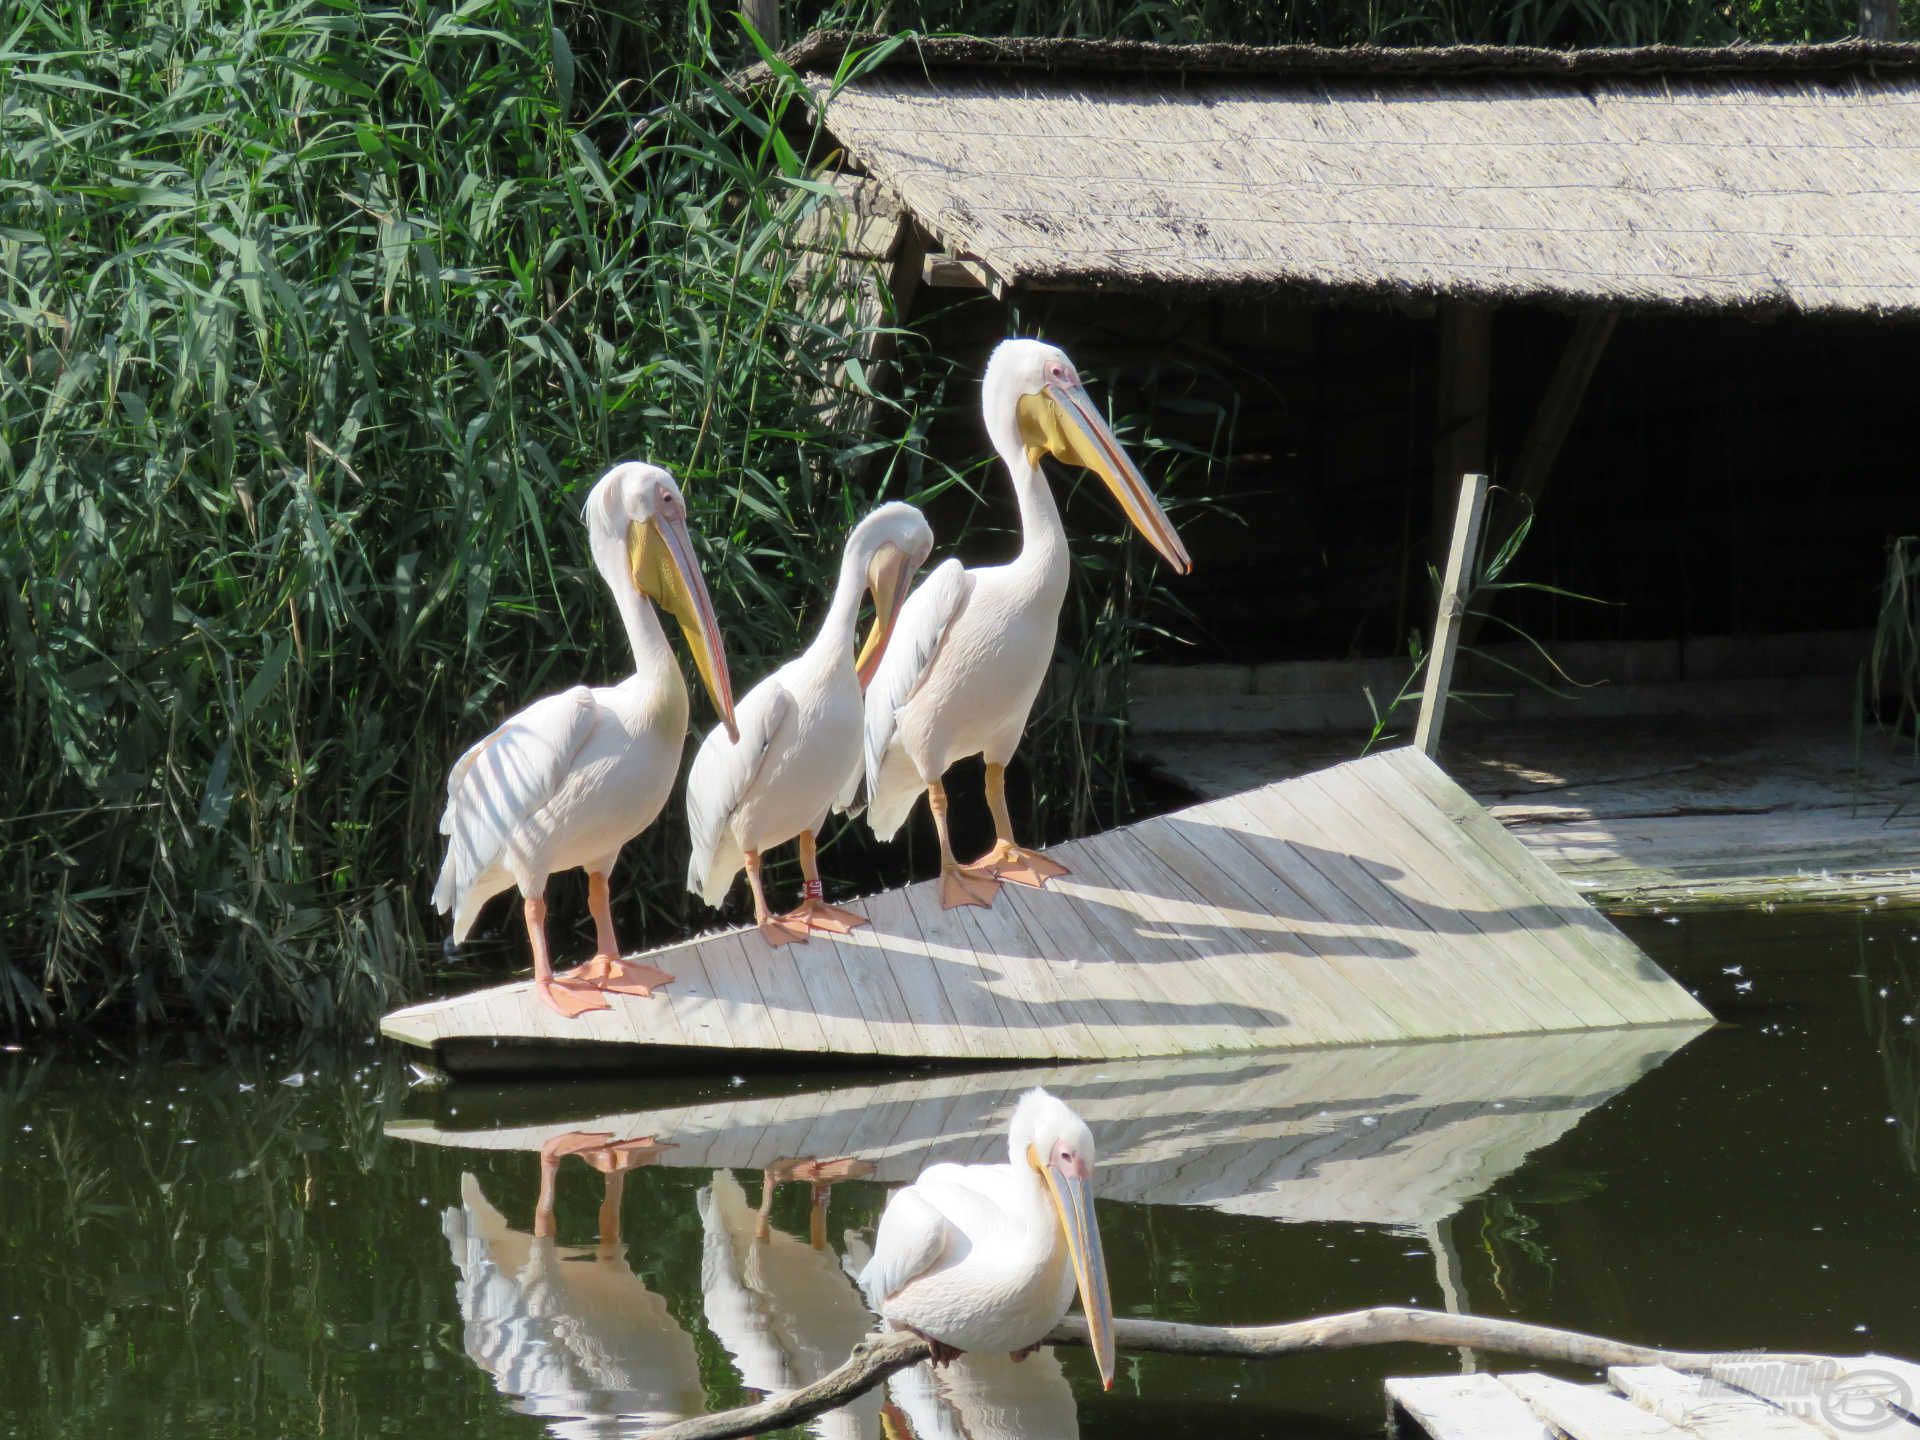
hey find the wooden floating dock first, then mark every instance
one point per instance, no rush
(1398, 1136)
(1835, 1398)
(1373, 901)
(1655, 813)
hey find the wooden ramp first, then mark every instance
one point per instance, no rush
(1401, 1136)
(1373, 901)
(1744, 1398)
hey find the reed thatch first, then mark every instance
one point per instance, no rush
(1754, 178)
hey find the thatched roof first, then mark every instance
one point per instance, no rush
(1757, 177)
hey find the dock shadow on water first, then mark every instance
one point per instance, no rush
(316, 1245)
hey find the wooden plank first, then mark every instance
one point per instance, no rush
(1638, 988)
(1008, 1029)
(785, 993)
(1161, 899)
(696, 1009)
(1450, 869)
(1466, 1407)
(1327, 1000)
(1172, 966)
(1466, 963)
(748, 1020)
(998, 931)
(1431, 965)
(1696, 1403)
(894, 941)
(881, 1004)
(1087, 993)
(1462, 555)
(1127, 990)
(1582, 1413)
(1231, 945)
(834, 1004)
(1373, 963)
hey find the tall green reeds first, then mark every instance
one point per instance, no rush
(318, 321)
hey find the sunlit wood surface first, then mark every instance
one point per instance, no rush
(1373, 901)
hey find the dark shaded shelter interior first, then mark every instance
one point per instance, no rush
(1724, 474)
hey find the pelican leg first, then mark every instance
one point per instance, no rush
(813, 913)
(606, 970)
(570, 997)
(610, 1210)
(943, 1353)
(776, 930)
(958, 885)
(1008, 860)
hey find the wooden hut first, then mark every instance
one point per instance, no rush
(1652, 291)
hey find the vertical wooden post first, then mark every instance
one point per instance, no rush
(1453, 604)
(1879, 19)
(1462, 402)
(765, 17)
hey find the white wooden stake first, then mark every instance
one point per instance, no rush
(1453, 606)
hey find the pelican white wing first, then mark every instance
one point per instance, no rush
(723, 773)
(892, 782)
(497, 787)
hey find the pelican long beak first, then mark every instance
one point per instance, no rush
(660, 557)
(1061, 421)
(1071, 1187)
(888, 576)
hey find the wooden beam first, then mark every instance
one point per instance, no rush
(764, 16)
(1463, 386)
(1560, 406)
(1452, 610)
(1879, 19)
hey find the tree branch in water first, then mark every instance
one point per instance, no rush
(885, 1352)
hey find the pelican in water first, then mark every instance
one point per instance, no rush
(573, 777)
(987, 1257)
(973, 646)
(799, 748)
(570, 1331)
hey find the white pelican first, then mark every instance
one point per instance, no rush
(973, 646)
(782, 1306)
(570, 1331)
(800, 729)
(573, 777)
(987, 1257)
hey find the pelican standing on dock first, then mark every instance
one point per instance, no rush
(973, 646)
(800, 737)
(573, 777)
(987, 1257)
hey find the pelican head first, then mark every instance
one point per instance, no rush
(889, 546)
(637, 520)
(1047, 1137)
(1033, 397)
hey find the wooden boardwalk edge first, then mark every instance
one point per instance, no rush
(1370, 902)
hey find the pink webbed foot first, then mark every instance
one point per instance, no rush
(623, 977)
(1018, 865)
(811, 914)
(569, 997)
(963, 886)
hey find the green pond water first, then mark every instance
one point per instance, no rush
(312, 1244)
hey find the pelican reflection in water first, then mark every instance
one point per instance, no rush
(569, 1331)
(781, 1305)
